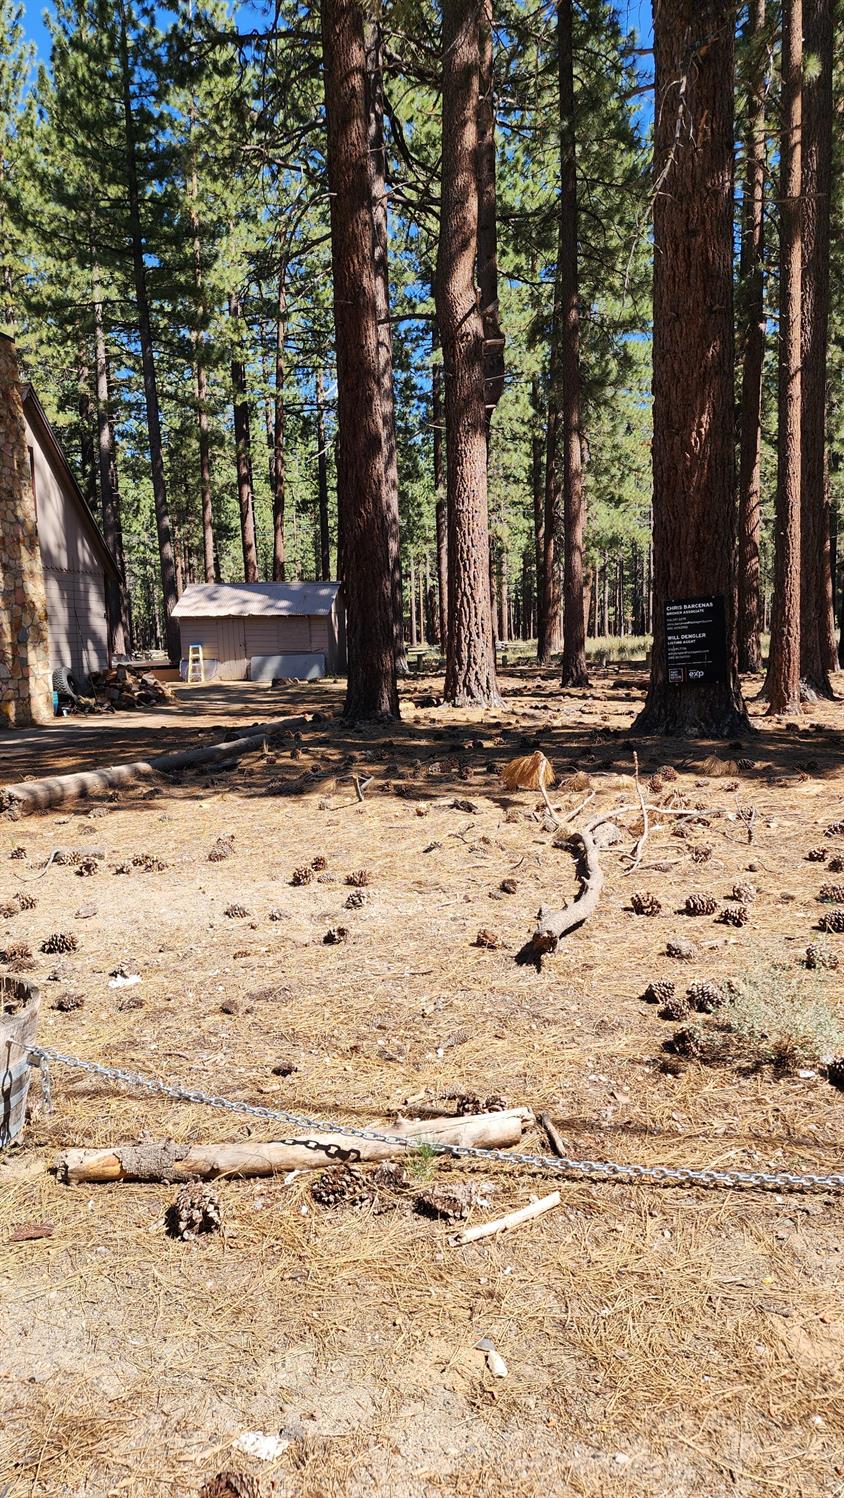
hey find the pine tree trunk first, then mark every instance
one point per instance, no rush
(752, 274)
(378, 190)
(85, 406)
(574, 507)
(550, 636)
(277, 473)
(243, 446)
(693, 355)
(503, 597)
(440, 516)
(117, 597)
(200, 365)
(368, 573)
(816, 180)
(470, 663)
(783, 684)
(322, 481)
(487, 220)
(538, 488)
(164, 528)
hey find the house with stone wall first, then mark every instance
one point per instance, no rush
(55, 568)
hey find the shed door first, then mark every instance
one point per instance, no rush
(232, 639)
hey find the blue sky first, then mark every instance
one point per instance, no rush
(635, 14)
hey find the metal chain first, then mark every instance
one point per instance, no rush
(611, 1170)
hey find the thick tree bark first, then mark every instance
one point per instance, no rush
(117, 599)
(277, 473)
(538, 489)
(243, 446)
(487, 219)
(693, 356)
(361, 478)
(85, 406)
(440, 514)
(378, 190)
(200, 375)
(164, 527)
(783, 684)
(574, 507)
(816, 604)
(752, 272)
(322, 481)
(550, 634)
(470, 661)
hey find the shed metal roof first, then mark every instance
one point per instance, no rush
(227, 600)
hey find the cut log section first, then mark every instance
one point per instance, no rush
(37, 795)
(166, 1161)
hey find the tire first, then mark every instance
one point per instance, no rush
(65, 683)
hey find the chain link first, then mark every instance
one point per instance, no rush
(604, 1170)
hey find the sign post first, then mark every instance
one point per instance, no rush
(696, 641)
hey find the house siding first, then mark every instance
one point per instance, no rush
(77, 622)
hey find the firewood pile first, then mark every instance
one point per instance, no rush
(122, 688)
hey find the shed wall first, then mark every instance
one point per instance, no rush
(233, 641)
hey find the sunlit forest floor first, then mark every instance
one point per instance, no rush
(659, 1341)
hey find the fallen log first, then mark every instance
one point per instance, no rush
(38, 795)
(167, 1161)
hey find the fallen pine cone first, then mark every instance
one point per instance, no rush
(356, 899)
(222, 848)
(745, 894)
(67, 1002)
(15, 953)
(676, 1008)
(60, 941)
(705, 996)
(701, 904)
(236, 912)
(148, 863)
(359, 879)
(836, 865)
(448, 1203)
(86, 867)
(734, 915)
(18, 852)
(470, 1103)
(684, 951)
(232, 1485)
(831, 894)
(195, 1210)
(835, 829)
(319, 863)
(818, 956)
(833, 921)
(645, 903)
(486, 938)
(659, 991)
(342, 1186)
(817, 855)
(334, 935)
(303, 875)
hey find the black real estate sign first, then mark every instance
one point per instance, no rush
(695, 641)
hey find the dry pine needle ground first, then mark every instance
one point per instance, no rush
(669, 1342)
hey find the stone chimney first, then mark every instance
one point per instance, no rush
(26, 688)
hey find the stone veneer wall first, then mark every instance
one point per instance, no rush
(26, 688)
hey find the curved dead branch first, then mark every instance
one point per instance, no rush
(553, 927)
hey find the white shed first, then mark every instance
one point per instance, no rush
(258, 631)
